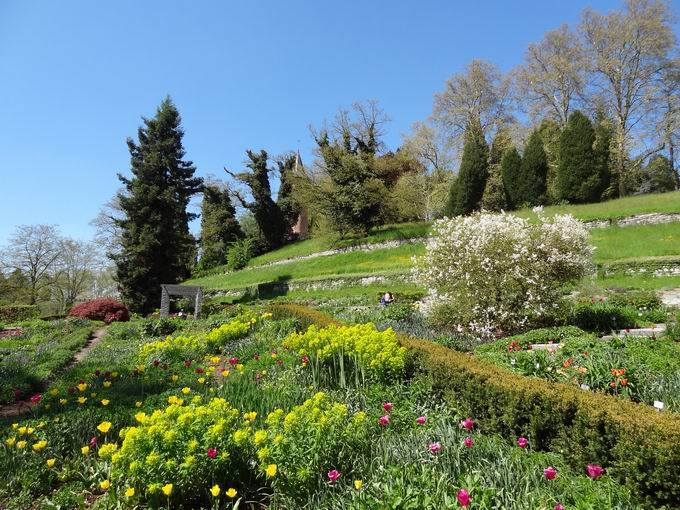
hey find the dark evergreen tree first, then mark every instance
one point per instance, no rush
(604, 133)
(219, 226)
(511, 168)
(550, 134)
(495, 197)
(579, 179)
(531, 186)
(286, 200)
(467, 191)
(502, 141)
(268, 214)
(157, 246)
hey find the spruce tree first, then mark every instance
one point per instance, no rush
(219, 226)
(578, 178)
(467, 191)
(533, 173)
(268, 214)
(157, 246)
(511, 168)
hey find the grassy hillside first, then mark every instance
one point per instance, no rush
(613, 245)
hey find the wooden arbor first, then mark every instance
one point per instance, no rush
(194, 291)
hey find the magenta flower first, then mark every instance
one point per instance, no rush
(463, 497)
(333, 475)
(200, 370)
(550, 473)
(468, 442)
(387, 406)
(233, 361)
(36, 398)
(594, 471)
(420, 420)
(559, 506)
(435, 448)
(522, 442)
(384, 420)
(93, 442)
(305, 359)
(212, 453)
(467, 424)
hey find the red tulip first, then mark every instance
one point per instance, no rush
(36, 398)
(467, 424)
(550, 473)
(156, 362)
(387, 406)
(420, 420)
(212, 453)
(187, 362)
(384, 420)
(93, 442)
(468, 442)
(233, 361)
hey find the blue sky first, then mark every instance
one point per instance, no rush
(77, 76)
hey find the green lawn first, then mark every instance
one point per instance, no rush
(618, 243)
(351, 263)
(619, 208)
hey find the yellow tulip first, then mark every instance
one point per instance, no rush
(231, 492)
(271, 470)
(50, 462)
(215, 490)
(129, 492)
(82, 387)
(82, 400)
(167, 489)
(105, 484)
(107, 384)
(138, 404)
(105, 402)
(358, 484)
(40, 445)
(11, 441)
(85, 450)
(104, 427)
(186, 390)
(174, 378)
(21, 445)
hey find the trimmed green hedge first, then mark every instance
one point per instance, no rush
(17, 313)
(638, 446)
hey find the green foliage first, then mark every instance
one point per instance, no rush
(603, 317)
(468, 188)
(157, 246)
(640, 299)
(268, 215)
(286, 199)
(511, 171)
(550, 134)
(219, 226)
(532, 188)
(239, 254)
(17, 313)
(495, 196)
(579, 179)
(604, 133)
(659, 176)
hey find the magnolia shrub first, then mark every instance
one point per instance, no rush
(495, 273)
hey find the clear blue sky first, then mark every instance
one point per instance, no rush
(77, 75)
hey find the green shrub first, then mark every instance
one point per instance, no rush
(239, 254)
(603, 317)
(637, 445)
(17, 313)
(161, 327)
(673, 328)
(640, 299)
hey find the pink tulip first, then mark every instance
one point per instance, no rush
(36, 398)
(468, 442)
(550, 473)
(333, 475)
(467, 424)
(387, 406)
(463, 497)
(384, 420)
(594, 471)
(559, 506)
(212, 453)
(522, 442)
(93, 442)
(435, 448)
(420, 420)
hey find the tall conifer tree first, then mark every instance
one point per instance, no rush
(468, 188)
(532, 183)
(579, 179)
(219, 226)
(511, 169)
(157, 246)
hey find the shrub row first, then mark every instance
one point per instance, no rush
(17, 313)
(637, 445)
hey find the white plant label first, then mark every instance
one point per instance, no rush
(585, 387)
(658, 404)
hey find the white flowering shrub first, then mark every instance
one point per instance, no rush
(495, 273)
